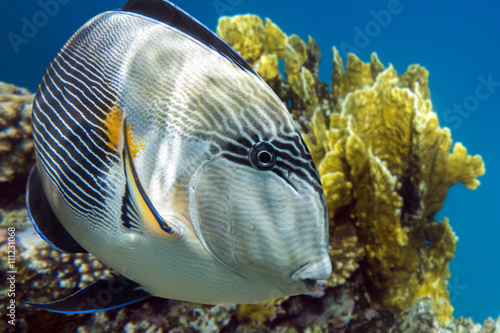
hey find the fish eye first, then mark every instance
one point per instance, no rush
(262, 155)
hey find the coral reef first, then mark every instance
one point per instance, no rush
(384, 151)
(44, 274)
(421, 317)
(386, 167)
(16, 144)
(15, 216)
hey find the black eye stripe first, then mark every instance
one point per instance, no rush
(291, 154)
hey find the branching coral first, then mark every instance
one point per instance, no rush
(387, 155)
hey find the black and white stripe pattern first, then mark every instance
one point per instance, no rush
(236, 116)
(70, 133)
(292, 158)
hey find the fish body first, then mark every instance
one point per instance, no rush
(161, 152)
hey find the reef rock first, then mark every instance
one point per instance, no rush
(16, 144)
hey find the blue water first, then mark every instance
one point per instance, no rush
(457, 41)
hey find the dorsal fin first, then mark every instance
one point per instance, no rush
(170, 14)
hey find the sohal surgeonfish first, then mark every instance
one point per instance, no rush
(161, 152)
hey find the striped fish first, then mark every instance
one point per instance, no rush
(162, 152)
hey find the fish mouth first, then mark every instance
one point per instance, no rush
(309, 273)
(309, 284)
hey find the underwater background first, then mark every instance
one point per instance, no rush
(458, 42)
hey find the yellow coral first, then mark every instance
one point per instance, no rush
(274, 40)
(262, 46)
(387, 156)
(257, 314)
(245, 33)
(357, 75)
(435, 269)
(267, 67)
(299, 77)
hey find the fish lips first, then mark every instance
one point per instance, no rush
(309, 273)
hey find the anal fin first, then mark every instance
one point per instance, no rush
(115, 292)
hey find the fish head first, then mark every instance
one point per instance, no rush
(258, 207)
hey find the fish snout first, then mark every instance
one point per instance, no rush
(309, 273)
